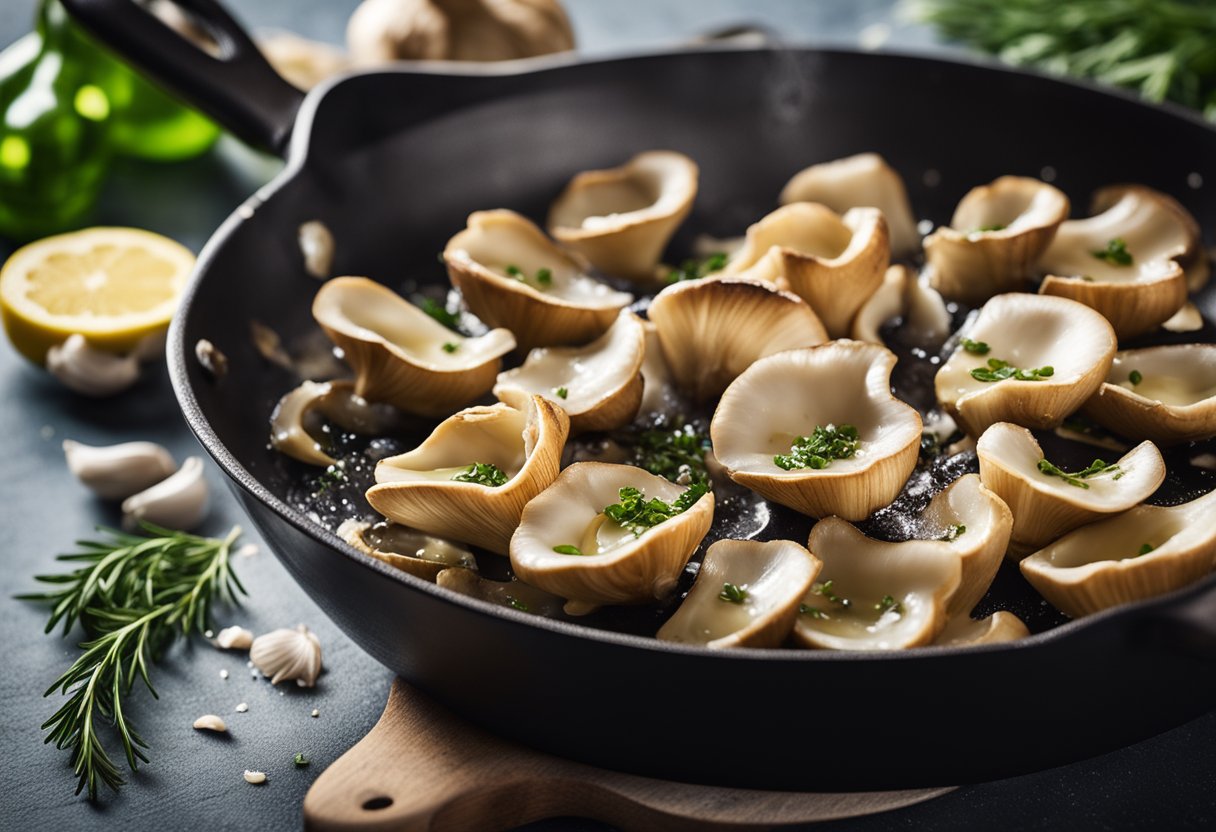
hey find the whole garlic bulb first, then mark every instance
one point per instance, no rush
(382, 31)
(288, 654)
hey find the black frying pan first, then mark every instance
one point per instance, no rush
(393, 161)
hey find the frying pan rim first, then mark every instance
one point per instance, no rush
(297, 157)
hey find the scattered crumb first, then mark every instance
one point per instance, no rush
(249, 664)
(210, 722)
(208, 634)
(46, 432)
(315, 713)
(300, 760)
(247, 551)
(257, 778)
(223, 674)
(242, 708)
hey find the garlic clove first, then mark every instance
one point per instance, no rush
(89, 371)
(860, 181)
(234, 638)
(995, 237)
(255, 778)
(115, 472)
(288, 654)
(210, 722)
(178, 502)
(746, 594)
(317, 248)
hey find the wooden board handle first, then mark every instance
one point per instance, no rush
(421, 768)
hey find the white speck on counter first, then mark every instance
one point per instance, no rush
(208, 634)
(247, 551)
(873, 36)
(242, 708)
(315, 713)
(223, 674)
(257, 778)
(46, 432)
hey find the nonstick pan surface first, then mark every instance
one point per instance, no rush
(392, 162)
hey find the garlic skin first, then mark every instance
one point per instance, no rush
(179, 502)
(89, 371)
(234, 638)
(317, 248)
(115, 472)
(288, 654)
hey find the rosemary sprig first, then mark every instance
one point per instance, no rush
(134, 595)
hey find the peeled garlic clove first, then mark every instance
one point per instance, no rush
(288, 654)
(617, 567)
(317, 248)
(976, 523)
(514, 594)
(1174, 401)
(89, 371)
(711, 330)
(497, 262)
(996, 236)
(1136, 296)
(1141, 553)
(786, 396)
(861, 181)
(179, 502)
(599, 386)
(833, 263)
(1045, 507)
(873, 595)
(417, 488)
(403, 356)
(622, 218)
(409, 550)
(746, 595)
(965, 631)
(115, 472)
(1030, 332)
(234, 638)
(210, 722)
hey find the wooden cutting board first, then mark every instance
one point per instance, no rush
(422, 768)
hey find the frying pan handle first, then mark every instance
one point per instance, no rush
(236, 85)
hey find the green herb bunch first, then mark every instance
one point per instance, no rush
(670, 452)
(1160, 48)
(821, 448)
(133, 595)
(637, 514)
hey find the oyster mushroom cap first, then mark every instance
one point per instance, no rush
(771, 579)
(1186, 319)
(1045, 506)
(421, 555)
(658, 388)
(629, 569)
(1029, 332)
(570, 308)
(1101, 565)
(787, 395)
(976, 524)
(860, 181)
(1174, 402)
(622, 218)
(403, 356)
(918, 576)
(1194, 259)
(514, 594)
(291, 420)
(1135, 297)
(602, 381)
(416, 488)
(963, 630)
(834, 263)
(995, 237)
(902, 293)
(713, 329)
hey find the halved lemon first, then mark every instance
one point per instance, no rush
(114, 286)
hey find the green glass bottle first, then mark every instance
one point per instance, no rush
(54, 146)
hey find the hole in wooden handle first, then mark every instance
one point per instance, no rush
(373, 804)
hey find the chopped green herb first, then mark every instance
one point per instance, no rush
(673, 454)
(515, 603)
(1095, 468)
(483, 473)
(1087, 278)
(693, 269)
(1146, 548)
(889, 604)
(333, 475)
(514, 271)
(450, 347)
(954, 533)
(567, 549)
(732, 594)
(637, 514)
(440, 313)
(562, 392)
(1115, 253)
(994, 227)
(813, 612)
(998, 370)
(819, 450)
(975, 347)
(1135, 377)
(300, 760)
(543, 277)
(825, 589)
